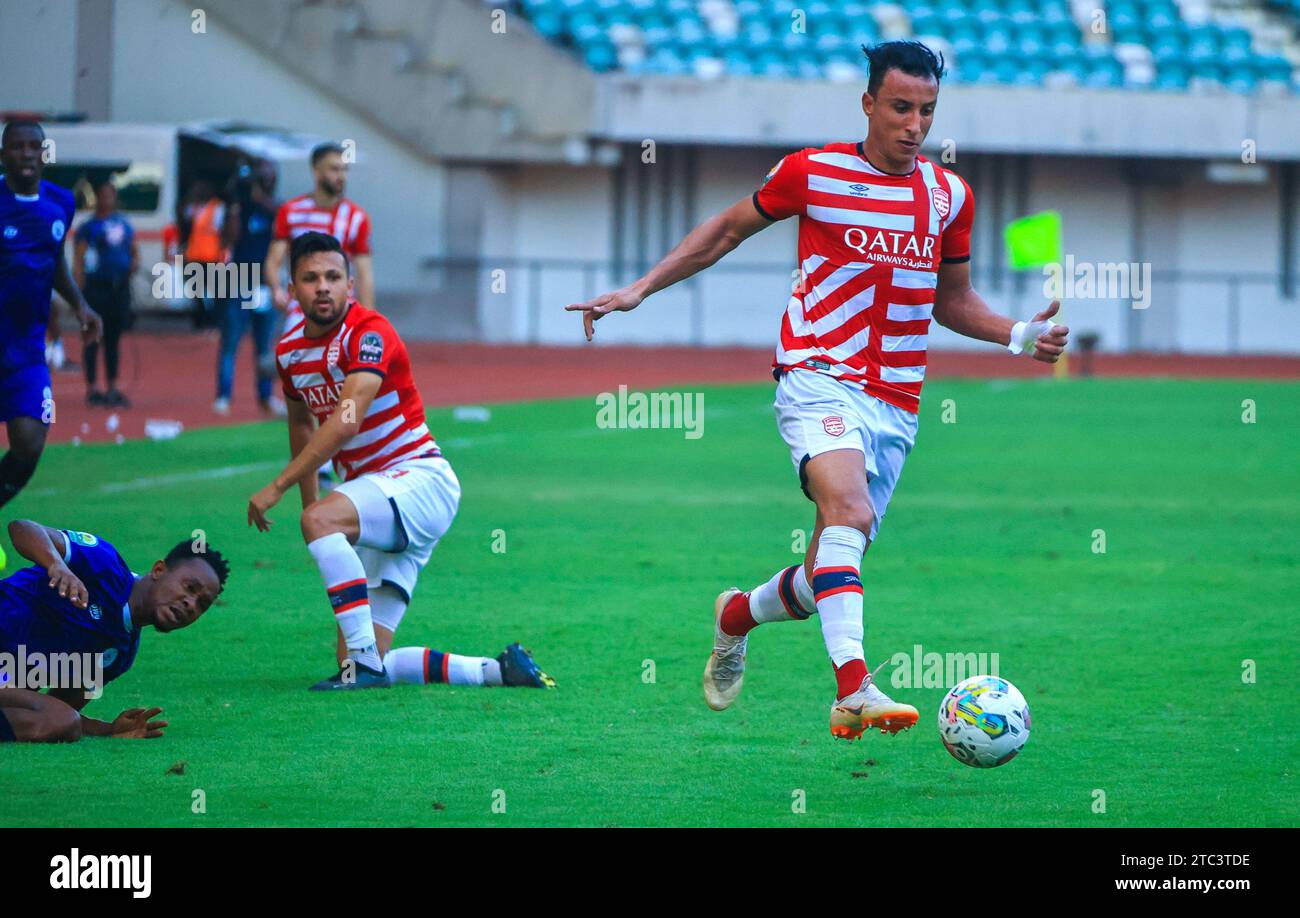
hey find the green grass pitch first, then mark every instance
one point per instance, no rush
(617, 541)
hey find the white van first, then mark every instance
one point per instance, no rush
(154, 165)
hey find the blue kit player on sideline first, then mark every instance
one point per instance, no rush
(35, 217)
(80, 600)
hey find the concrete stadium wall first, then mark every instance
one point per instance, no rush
(1181, 223)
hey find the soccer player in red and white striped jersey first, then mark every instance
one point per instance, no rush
(884, 247)
(323, 210)
(352, 399)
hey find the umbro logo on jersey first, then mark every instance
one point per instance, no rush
(860, 191)
(96, 612)
(11, 232)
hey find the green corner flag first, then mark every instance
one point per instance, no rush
(1034, 241)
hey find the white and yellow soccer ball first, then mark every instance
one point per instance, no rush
(984, 721)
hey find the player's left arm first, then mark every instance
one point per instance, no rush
(359, 390)
(47, 548)
(133, 723)
(365, 276)
(91, 325)
(959, 307)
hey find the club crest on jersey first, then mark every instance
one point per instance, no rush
(834, 425)
(371, 348)
(56, 230)
(942, 202)
(332, 355)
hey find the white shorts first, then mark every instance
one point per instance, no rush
(404, 511)
(817, 413)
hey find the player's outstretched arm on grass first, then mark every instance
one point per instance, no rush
(957, 306)
(133, 723)
(45, 547)
(702, 247)
(358, 392)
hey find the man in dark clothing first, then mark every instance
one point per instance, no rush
(104, 258)
(248, 235)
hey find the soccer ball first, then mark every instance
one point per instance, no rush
(984, 721)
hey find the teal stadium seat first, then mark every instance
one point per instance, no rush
(1010, 42)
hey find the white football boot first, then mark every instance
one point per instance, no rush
(724, 674)
(869, 707)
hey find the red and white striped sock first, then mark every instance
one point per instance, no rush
(345, 581)
(785, 597)
(424, 665)
(837, 589)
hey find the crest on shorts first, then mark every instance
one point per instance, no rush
(371, 348)
(834, 425)
(332, 355)
(942, 202)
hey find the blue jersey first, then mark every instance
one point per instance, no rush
(32, 228)
(34, 616)
(108, 246)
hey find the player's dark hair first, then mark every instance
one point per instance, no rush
(17, 124)
(911, 57)
(184, 551)
(321, 150)
(310, 244)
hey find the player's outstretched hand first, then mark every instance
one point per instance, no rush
(260, 503)
(1050, 344)
(68, 585)
(138, 723)
(623, 300)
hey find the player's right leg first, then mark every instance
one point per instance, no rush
(402, 518)
(31, 717)
(837, 481)
(331, 527)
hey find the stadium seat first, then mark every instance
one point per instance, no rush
(1012, 42)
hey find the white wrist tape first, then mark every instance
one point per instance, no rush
(1024, 334)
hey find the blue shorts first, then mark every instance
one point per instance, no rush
(25, 393)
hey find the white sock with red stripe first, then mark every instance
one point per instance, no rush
(837, 589)
(345, 581)
(785, 597)
(424, 665)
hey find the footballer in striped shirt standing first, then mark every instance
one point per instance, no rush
(352, 399)
(884, 247)
(323, 210)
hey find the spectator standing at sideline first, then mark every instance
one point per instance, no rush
(104, 257)
(247, 235)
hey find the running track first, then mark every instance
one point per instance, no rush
(172, 375)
